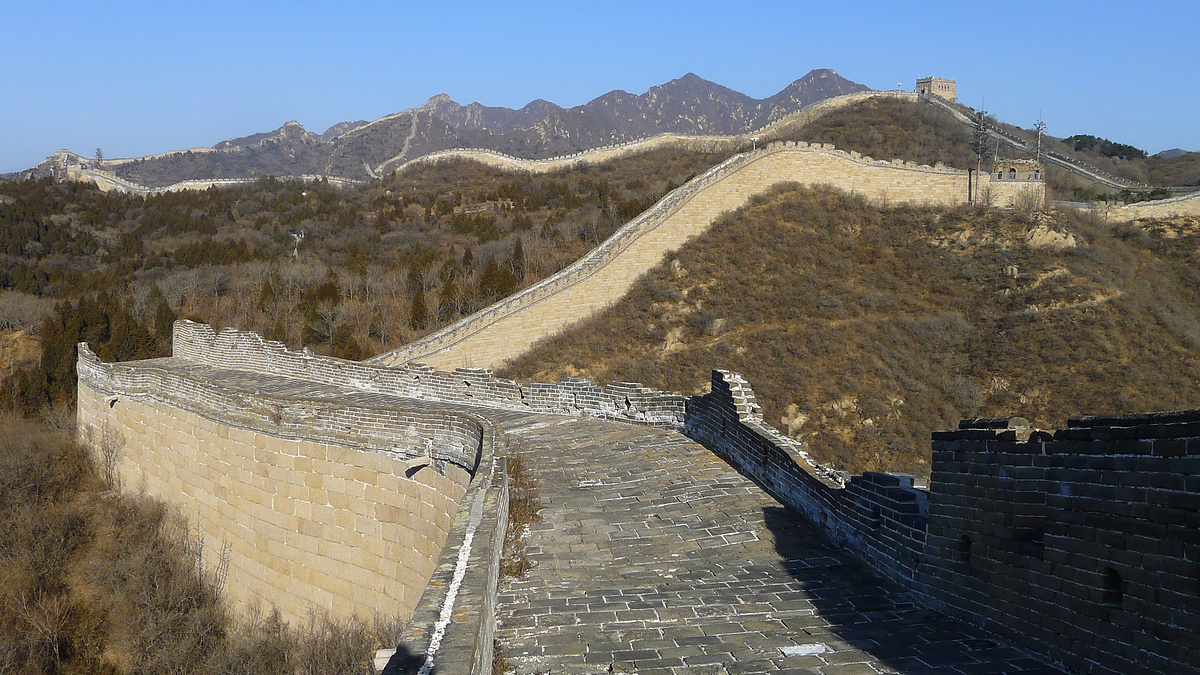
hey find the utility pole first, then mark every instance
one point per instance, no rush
(1041, 129)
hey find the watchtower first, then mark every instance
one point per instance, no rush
(937, 86)
(1018, 169)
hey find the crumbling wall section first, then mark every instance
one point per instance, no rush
(877, 517)
(241, 350)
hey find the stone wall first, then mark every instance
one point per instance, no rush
(316, 504)
(240, 350)
(1184, 205)
(1081, 544)
(879, 518)
(1029, 194)
(511, 326)
(106, 180)
(769, 132)
(937, 86)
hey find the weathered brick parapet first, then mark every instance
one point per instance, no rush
(241, 350)
(1081, 544)
(403, 434)
(879, 518)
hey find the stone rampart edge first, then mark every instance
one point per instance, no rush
(604, 254)
(242, 350)
(452, 628)
(364, 428)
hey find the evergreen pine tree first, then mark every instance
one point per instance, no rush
(420, 313)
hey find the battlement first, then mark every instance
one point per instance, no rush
(510, 326)
(1080, 543)
(937, 86)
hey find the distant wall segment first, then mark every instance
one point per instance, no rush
(1184, 205)
(510, 327)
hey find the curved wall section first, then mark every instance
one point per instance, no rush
(493, 335)
(313, 504)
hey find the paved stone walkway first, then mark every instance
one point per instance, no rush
(654, 556)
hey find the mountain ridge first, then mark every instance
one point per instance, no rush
(688, 105)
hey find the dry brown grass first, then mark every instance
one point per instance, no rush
(524, 509)
(93, 581)
(891, 129)
(863, 329)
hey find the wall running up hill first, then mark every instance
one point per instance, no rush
(512, 326)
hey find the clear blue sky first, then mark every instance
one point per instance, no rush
(138, 77)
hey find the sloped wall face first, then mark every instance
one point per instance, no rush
(1084, 545)
(509, 328)
(305, 520)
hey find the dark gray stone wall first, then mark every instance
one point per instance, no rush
(1081, 544)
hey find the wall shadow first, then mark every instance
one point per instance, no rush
(853, 609)
(405, 662)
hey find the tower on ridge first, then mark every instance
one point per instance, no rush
(937, 86)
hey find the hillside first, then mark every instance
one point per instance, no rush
(377, 266)
(863, 329)
(890, 129)
(884, 129)
(687, 105)
(384, 264)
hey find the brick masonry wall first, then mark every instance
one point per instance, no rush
(510, 327)
(879, 518)
(311, 514)
(1014, 193)
(1083, 544)
(241, 350)
(1080, 544)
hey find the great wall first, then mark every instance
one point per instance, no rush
(361, 488)
(506, 329)
(682, 532)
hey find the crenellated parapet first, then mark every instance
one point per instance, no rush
(509, 327)
(1080, 544)
(249, 352)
